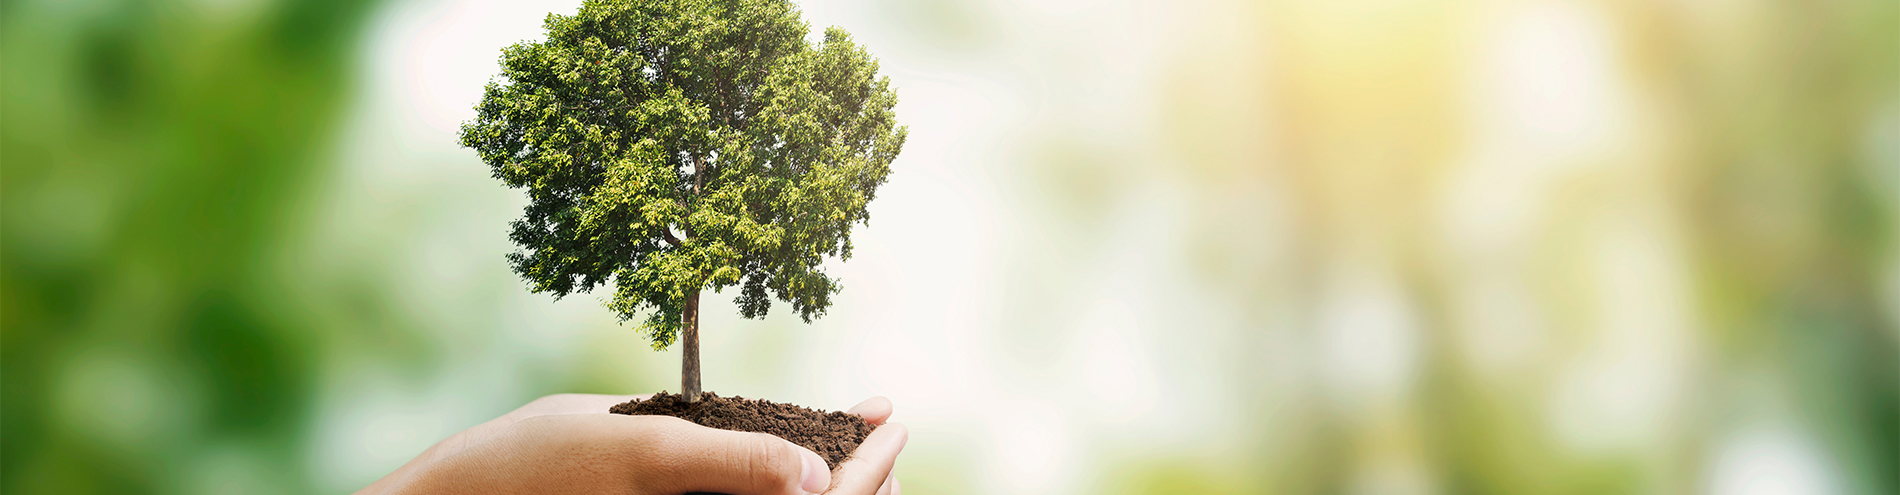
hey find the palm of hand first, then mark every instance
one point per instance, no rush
(567, 443)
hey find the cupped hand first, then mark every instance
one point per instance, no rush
(568, 444)
(868, 470)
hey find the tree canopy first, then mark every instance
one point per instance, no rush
(671, 146)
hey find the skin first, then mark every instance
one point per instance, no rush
(567, 443)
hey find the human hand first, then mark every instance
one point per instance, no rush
(567, 443)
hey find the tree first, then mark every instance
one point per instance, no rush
(674, 146)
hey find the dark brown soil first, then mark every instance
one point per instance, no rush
(833, 435)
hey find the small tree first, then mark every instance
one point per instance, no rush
(674, 146)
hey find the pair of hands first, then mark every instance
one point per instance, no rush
(569, 444)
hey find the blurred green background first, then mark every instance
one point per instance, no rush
(1202, 246)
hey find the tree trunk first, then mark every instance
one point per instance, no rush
(689, 369)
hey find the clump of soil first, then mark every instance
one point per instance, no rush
(833, 435)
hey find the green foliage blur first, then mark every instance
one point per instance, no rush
(152, 152)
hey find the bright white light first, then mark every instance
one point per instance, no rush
(376, 426)
(1115, 370)
(1552, 76)
(1626, 387)
(1547, 99)
(1368, 334)
(443, 52)
(1771, 461)
(1031, 448)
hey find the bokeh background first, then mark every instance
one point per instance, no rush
(1133, 247)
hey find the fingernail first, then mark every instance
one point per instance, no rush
(817, 476)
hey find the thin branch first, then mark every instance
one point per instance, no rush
(697, 176)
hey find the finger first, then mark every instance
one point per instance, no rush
(876, 410)
(890, 484)
(868, 466)
(693, 458)
(896, 488)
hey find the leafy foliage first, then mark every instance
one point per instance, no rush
(675, 146)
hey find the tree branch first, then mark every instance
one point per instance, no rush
(698, 177)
